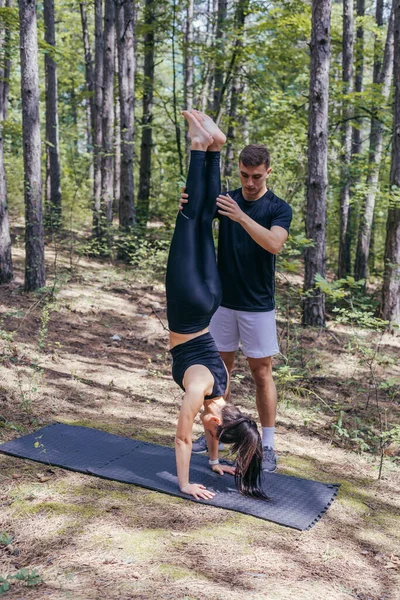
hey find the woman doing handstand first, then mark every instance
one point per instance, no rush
(193, 295)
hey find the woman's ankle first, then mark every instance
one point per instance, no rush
(215, 147)
(195, 145)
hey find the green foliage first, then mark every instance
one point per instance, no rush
(349, 303)
(5, 539)
(28, 578)
(288, 259)
(148, 256)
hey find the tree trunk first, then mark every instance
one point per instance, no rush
(220, 52)
(126, 55)
(391, 276)
(98, 105)
(208, 98)
(89, 76)
(53, 171)
(147, 131)
(359, 69)
(237, 89)
(6, 267)
(34, 240)
(174, 94)
(117, 124)
(188, 70)
(107, 180)
(244, 117)
(382, 76)
(317, 176)
(347, 58)
(7, 67)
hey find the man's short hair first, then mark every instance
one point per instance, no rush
(254, 155)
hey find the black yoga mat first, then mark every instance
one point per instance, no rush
(294, 502)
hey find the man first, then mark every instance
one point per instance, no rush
(254, 225)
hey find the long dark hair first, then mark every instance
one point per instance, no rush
(241, 431)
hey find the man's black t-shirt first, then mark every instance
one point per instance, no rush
(247, 271)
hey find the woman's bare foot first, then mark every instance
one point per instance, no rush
(199, 137)
(208, 124)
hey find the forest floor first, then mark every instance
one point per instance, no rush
(89, 538)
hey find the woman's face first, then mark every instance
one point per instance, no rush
(210, 424)
(211, 418)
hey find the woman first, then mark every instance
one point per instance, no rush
(193, 295)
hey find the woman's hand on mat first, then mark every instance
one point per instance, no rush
(197, 490)
(184, 198)
(221, 469)
(229, 208)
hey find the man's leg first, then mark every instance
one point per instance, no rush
(266, 396)
(266, 400)
(259, 344)
(229, 360)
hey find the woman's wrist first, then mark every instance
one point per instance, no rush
(213, 462)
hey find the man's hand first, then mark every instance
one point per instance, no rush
(198, 491)
(221, 469)
(229, 208)
(184, 198)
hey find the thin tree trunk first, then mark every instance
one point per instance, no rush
(347, 70)
(117, 124)
(212, 23)
(107, 180)
(244, 117)
(202, 97)
(6, 266)
(382, 76)
(359, 71)
(126, 56)
(317, 177)
(89, 78)
(7, 67)
(53, 172)
(188, 69)
(147, 126)
(98, 105)
(391, 276)
(236, 96)
(34, 238)
(220, 51)
(174, 93)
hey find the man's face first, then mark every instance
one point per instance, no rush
(253, 180)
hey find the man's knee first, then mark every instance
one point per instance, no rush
(229, 359)
(261, 370)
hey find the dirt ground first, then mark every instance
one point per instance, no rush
(94, 539)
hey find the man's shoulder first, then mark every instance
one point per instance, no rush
(274, 198)
(235, 194)
(279, 204)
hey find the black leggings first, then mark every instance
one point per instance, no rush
(193, 285)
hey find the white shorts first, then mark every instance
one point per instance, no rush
(255, 331)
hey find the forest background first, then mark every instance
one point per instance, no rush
(93, 154)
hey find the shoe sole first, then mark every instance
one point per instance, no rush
(206, 450)
(269, 471)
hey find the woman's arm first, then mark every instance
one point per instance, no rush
(212, 446)
(191, 405)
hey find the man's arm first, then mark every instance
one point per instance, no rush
(271, 240)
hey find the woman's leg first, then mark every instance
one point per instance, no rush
(213, 189)
(189, 299)
(209, 260)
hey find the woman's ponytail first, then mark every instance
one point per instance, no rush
(241, 431)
